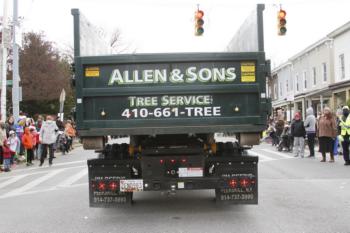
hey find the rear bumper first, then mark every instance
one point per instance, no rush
(234, 179)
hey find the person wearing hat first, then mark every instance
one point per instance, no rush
(344, 125)
(298, 133)
(326, 132)
(13, 140)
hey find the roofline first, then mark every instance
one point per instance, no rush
(311, 47)
(281, 66)
(340, 30)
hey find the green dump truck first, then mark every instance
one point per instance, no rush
(171, 106)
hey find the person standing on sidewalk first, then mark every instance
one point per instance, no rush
(2, 139)
(27, 141)
(310, 128)
(326, 132)
(298, 133)
(344, 124)
(47, 138)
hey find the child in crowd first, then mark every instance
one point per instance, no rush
(13, 140)
(34, 134)
(27, 141)
(7, 154)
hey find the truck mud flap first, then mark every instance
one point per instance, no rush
(241, 182)
(104, 183)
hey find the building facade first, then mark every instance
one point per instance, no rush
(316, 77)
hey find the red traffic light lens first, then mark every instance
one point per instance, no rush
(199, 14)
(282, 14)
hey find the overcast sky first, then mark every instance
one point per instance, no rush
(167, 25)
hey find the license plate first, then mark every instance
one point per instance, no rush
(131, 185)
(190, 172)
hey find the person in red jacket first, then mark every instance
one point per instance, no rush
(7, 154)
(27, 141)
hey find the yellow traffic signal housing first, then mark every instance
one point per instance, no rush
(281, 27)
(198, 18)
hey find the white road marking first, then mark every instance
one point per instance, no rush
(32, 184)
(45, 190)
(278, 153)
(39, 172)
(45, 166)
(12, 180)
(264, 158)
(73, 179)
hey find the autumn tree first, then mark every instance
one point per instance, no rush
(44, 73)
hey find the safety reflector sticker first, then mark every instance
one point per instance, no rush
(248, 72)
(93, 72)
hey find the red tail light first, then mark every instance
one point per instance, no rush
(233, 183)
(161, 161)
(101, 186)
(245, 182)
(183, 160)
(113, 186)
(172, 161)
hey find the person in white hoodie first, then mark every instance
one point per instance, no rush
(47, 137)
(310, 128)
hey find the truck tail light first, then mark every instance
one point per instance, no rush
(172, 160)
(245, 182)
(233, 183)
(184, 160)
(161, 161)
(113, 185)
(101, 186)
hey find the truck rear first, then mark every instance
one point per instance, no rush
(171, 106)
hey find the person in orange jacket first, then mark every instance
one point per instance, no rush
(70, 132)
(35, 136)
(27, 141)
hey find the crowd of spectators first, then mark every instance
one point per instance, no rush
(28, 139)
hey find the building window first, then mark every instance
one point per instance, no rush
(342, 66)
(280, 89)
(305, 80)
(314, 75)
(324, 71)
(297, 82)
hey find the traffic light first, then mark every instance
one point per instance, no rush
(198, 27)
(281, 16)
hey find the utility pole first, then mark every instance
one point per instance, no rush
(15, 77)
(4, 47)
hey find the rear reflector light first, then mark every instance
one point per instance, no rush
(233, 183)
(113, 186)
(101, 186)
(245, 183)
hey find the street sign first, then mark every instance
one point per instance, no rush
(62, 96)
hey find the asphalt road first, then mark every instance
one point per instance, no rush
(295, 195)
